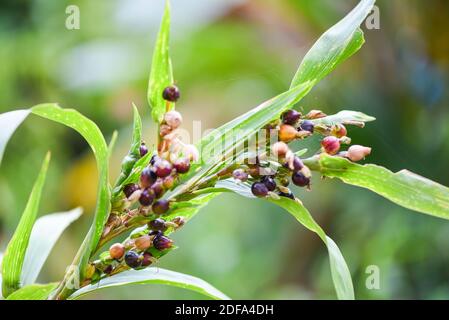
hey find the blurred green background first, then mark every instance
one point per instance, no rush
(228, 57)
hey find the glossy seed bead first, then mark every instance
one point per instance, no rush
(291, 117)
(158, 224)
(143, 242)
(330, 145)
(147, 177)
(307, 125)
(129, 189)
(287, 133)
(259, 189)
(286, 195)
(161, 242)
(162, 168)
(143, 150)
(161, 206)
(182, 165)
(132, 259)
(147, 197)
(269, 183)
(158, 189)
(116, 251)
(300, 179)
(171, 93)
(147, 259)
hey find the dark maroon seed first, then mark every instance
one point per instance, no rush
(132, 259)
(287, 195)
(269, 183)
(143, 150)
(147, 197)
(147, 177)
(146, 261)
(300, 180)
(158, 224)
(129, 189)
(158, 189)
(156, 233)
(171, 94)
(162, 242)
(182, 165)
(154, 158)
(162, 168)
(307, 125)
(108, 269)
(161, 206)
(291, 117)
(297, 164)
(259, 189)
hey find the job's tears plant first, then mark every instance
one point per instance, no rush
(160, 188)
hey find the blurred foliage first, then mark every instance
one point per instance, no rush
(229, 56)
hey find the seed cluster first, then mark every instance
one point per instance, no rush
(289, 167)
(172, 159)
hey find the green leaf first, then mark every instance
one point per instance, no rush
(345, 117)
(46, 231)
(161, 75)
(15, 252)
(111, 145)
(155, 276)
(339, 269)
(9, 122)
(1, 259)
(133, 154)
(404, 188)
(33, 292)
(334, 46)
(92, 134)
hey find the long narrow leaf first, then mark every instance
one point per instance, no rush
(92, 134)
(155, 276)
(46, 231)
(339, 269)
(9, 122)
(33, 292)
(334, 46)
(15, 252)
(404, 188)
(161, 74)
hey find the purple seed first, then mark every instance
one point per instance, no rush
(147, 197)
(182, 165)
(291, 117)
(143, 150)
(300, 180)
(158, 224)
(129, 189)
(132, 259)
(259, 189)
(161, 206)
(147, 259)
(307, 125)
(171, 94)
(147, 177)
(269, 183)
(162, 242)
(162, 168)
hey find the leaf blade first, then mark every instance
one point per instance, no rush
(404, 188)
(154, 275)
(336, 45)
(15, 252)
(161, 74)
(92, 134)
(341, 275)
(46, 231)
(9, 122)
(33, 292)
